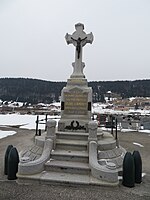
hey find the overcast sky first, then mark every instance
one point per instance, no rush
(32, 43)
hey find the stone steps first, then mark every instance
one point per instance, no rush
(71, 179)
(76, 135)
(69, 162)
(69, 155)
(67, 167)
(72, 135)
(71, 144)
(61, 178)
(64, 178)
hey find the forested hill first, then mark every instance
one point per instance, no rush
(35, 91)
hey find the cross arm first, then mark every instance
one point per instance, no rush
(90, 38)
(68, 38)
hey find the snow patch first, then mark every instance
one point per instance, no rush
(6, 133)
(140, 145)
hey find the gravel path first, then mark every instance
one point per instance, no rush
(10, 190)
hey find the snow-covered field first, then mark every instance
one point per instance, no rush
(6, 133)
(23, 121)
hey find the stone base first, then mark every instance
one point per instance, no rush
(73, 124)
(76, 100)
(73, 81)
(72, 163)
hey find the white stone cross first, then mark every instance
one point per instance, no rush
(79, 39)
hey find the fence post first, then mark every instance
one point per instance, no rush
(45, 122)
(37, 122)
(116, 135)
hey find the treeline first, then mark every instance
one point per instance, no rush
(35, 91)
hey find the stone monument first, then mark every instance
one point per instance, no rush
(76, 97)
(78, 151)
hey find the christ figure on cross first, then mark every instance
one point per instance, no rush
(78, 45)
(79, 39)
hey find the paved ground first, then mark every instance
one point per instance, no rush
(10, 190)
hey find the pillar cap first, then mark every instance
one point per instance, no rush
(51, 123)
(92, 125)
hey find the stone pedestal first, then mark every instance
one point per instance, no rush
(76, 100)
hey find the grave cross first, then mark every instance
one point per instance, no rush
(79, 39)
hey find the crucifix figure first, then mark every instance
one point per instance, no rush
(78, 45)
(79, 39)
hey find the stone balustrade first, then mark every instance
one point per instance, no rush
(51, 131)
(105, 172)
(27, 167)
(92, 126)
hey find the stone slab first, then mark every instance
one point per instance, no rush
(68, 164)
(64, 178)
(70, 153)
(71, 144)
(60, 178)
(67, 167)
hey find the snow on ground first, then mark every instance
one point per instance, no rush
(127, 130)
(23, 121)
(138, 144)
(6, 133)
(144, 131)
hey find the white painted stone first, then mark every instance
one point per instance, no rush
(51, 128)
(51, 131)
(76, 97)
(110, 165)
(79, 142)
(36, 166)
(92, 126)
(100, 172)
(40, 140)
(75, 100)
(79, 39)
(24, 159)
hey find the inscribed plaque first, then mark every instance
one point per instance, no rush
(76, 102)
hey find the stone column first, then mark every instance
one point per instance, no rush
(92, 126)
(51, 131)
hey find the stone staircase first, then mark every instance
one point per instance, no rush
(69, 161)
(71, 153)
(70, 157)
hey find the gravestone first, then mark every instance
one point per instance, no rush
(146, 125)
(145, 121)
(76, 97)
